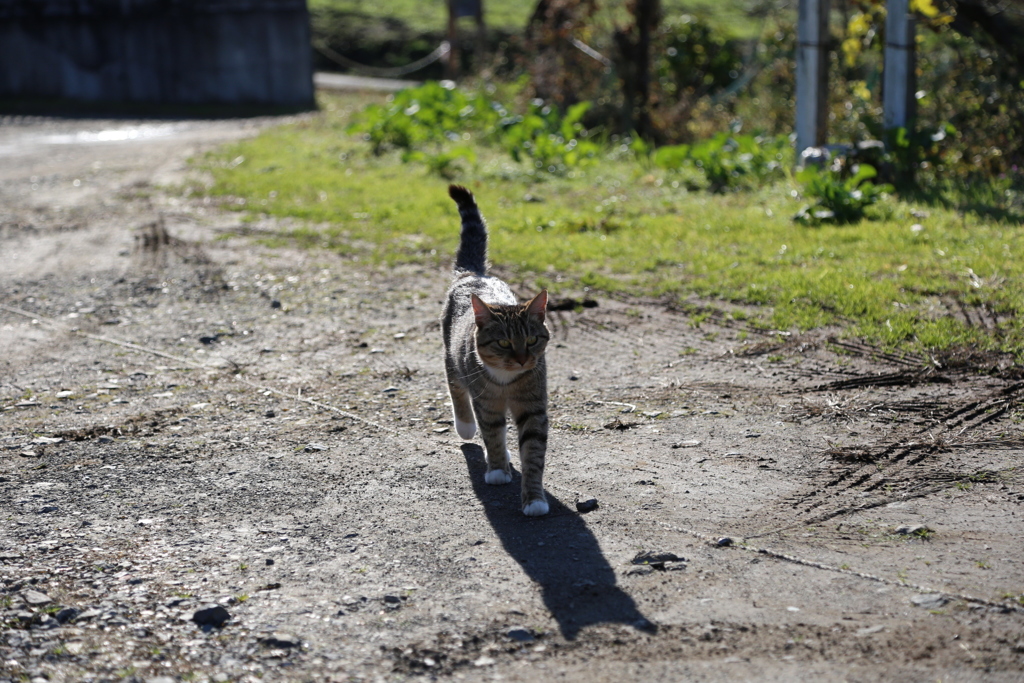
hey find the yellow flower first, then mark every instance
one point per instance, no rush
(860, 23)
(924, 7)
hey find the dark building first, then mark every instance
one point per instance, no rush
(232, 52)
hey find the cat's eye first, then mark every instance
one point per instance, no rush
(530, 341)
(504, 343)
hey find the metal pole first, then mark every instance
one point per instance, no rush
(897, 92)
(811, 74)
(452, 63)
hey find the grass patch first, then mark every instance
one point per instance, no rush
(622, 225)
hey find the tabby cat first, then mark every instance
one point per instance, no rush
(494, 360)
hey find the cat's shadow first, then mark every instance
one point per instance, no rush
(558, 552)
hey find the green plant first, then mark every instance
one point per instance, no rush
(728, 160)
(445, 163)
(553, 142)
(838, 200)
(434, 115)
(431, 113)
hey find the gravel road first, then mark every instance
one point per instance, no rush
(221, 461)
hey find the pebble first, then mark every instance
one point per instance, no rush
(929, 600)
(908, 529)
(47, 508)
(724, 542)
(392, 599)
(65, 615)
(484, 661)
(35, 598)
(586, 505)
(106, 439)
(686, 444)
(29, 454)
(310, 448)
(521, 635)
(270, 413)
(868, 630)
(275, 303)
(280, 639)
(652, 558)
(214, 615)
(639, 571)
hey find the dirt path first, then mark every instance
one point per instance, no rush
(162, 453)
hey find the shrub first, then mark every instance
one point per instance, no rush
(838, 200)
(729, 161)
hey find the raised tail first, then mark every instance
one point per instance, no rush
(472, 253)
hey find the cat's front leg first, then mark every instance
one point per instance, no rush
(462, 409)
(531, 419)
(490, 416)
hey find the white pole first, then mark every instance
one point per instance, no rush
(899, 62)
(811, 74)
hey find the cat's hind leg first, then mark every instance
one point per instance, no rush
(462, 409)
(491, 418)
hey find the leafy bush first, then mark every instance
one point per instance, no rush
(436, 114)
(432, 113)
(905, 153)
(553, 142)
(839, 200)
(729, 161)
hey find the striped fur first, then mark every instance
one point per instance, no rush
(494, 361)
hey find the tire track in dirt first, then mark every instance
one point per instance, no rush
(915, 467)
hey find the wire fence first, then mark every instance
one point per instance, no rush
(440, 52)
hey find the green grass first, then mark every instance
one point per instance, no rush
(429, 15)
(512, 15)
(622, 226)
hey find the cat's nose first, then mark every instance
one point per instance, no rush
(521, 359)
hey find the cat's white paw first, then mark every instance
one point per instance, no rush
(466, 430)
(497, 477)
(536, 509)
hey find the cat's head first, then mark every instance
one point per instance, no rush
(511, 338)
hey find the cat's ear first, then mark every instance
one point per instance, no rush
(538, 306)
(481, 311)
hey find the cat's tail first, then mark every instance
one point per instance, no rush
(472, 253)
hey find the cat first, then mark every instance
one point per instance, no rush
(494, 361)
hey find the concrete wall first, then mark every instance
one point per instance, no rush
(157, 51)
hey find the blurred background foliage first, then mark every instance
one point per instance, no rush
(684, 71)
